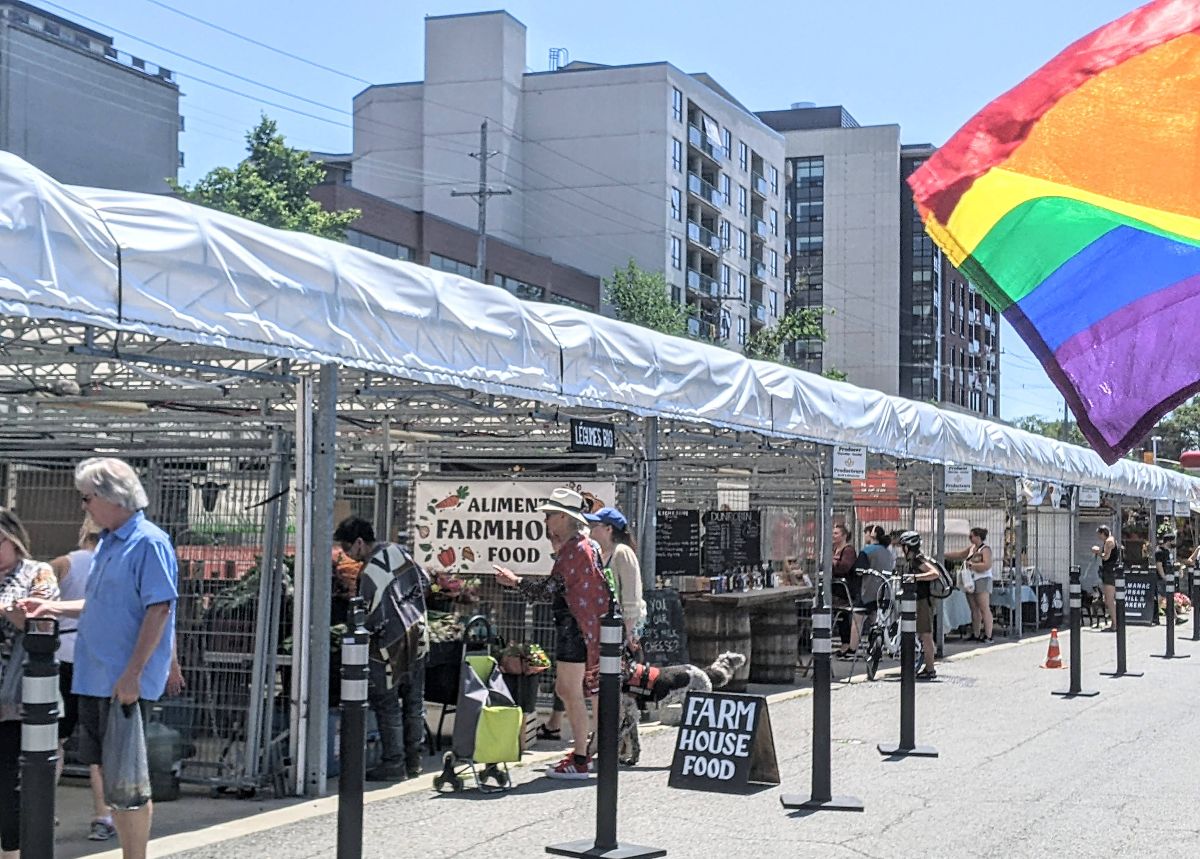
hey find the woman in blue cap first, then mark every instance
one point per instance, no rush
(610, 529)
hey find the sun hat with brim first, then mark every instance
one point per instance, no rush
(610, 516)
(564, 501)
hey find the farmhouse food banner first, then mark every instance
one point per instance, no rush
(465, 526)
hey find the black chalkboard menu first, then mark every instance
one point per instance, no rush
(677, 543)
(1140, 604)
(664, 639)
(731, 539)
(724, 744)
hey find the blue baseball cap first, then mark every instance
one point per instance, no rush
(608, 516)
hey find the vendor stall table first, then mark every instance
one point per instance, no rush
(760, 624)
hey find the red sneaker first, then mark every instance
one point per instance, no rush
(567, 768)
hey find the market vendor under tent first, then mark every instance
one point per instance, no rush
(580, 597)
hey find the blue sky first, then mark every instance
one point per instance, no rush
(927, 67)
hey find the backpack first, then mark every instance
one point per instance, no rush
(396, 619)
(944, 584)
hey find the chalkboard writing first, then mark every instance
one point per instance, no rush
(677, 543)
(664, 641)
(1050, 606)
(724, 744)
(731, 539)
(1139, 604)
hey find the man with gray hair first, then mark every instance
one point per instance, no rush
(126, 631)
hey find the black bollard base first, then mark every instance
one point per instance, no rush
(587, 847)
(1122, 674)
(1082, 693)
(1170, 656)
(895, 750)
(808, 803)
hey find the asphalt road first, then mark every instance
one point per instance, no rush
(1020, 774)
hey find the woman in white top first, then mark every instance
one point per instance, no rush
(977, 561)
(72, 570)
(610, 529)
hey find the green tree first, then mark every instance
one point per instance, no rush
(1051, 429)
(835, 374)
(642, 298)
(1180, 430)
(270, 186)
(768, 342)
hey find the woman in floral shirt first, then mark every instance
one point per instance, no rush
(20, 578)
(580, 597)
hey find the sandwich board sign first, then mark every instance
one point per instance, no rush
(724, 744)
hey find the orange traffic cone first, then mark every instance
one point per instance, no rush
(1053, 654)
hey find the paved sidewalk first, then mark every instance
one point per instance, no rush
(1021, 773)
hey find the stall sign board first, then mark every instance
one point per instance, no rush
(1139, 606)
(732, 538)
(1164, 507)
(464, 526)
(1183, 509)
(677, 543)
(1089, 497)
(959, 478)
(849, 462)
(664, 638)
(724, 744)
(593, 437)
(1050, 606)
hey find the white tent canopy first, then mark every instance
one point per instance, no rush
(156, 265)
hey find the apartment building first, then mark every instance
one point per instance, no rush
(900, 318)
(605, 163)
(76, 107)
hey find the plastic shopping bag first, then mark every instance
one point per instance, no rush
(125, 766)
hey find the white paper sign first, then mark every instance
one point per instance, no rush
(1164, 507)
(1089, 496)
(849, 462)
(1183, 509)
(464, 526)
(959, 478)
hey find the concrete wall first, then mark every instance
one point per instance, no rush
(83, 118)
(862, 249)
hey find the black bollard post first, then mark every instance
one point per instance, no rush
(353, 734)
(608, 718)
(822, 791)
(1169, 585)
(907, 747)
(39, 738)
(1076, 666)
(1194, 577)
(1119, 622)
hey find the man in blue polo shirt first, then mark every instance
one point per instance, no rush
(126, 631)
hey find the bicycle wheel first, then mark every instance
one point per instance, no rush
(874, 655)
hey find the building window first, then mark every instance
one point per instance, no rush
(742, 243)
(676, 204)
(677, 104)
(773, 222)
(453, 266)
(676, 252)
(724, 183)
(519, 288)
(725, 273)
(774, 175)
(727, 141)
(743, 155)
(742, 330)
(724, 228)
(774, 303)
(742, 200)
(677, 154)
(379, 246)
(742, 285)
(554, 298)
(774, 263)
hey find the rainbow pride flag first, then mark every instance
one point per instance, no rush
(1073, 203)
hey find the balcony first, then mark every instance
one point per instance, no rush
(702, 284)
(697, 139)
(758, 228)
(758, 269)
(758, 184)
(698, 326)
(758, 313)
(704, 237)
(705, 191)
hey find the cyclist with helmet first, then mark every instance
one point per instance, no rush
(924, 570)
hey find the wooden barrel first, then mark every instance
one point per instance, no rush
(714, 628)
(775, 641)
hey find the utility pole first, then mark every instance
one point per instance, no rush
(481, 196)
